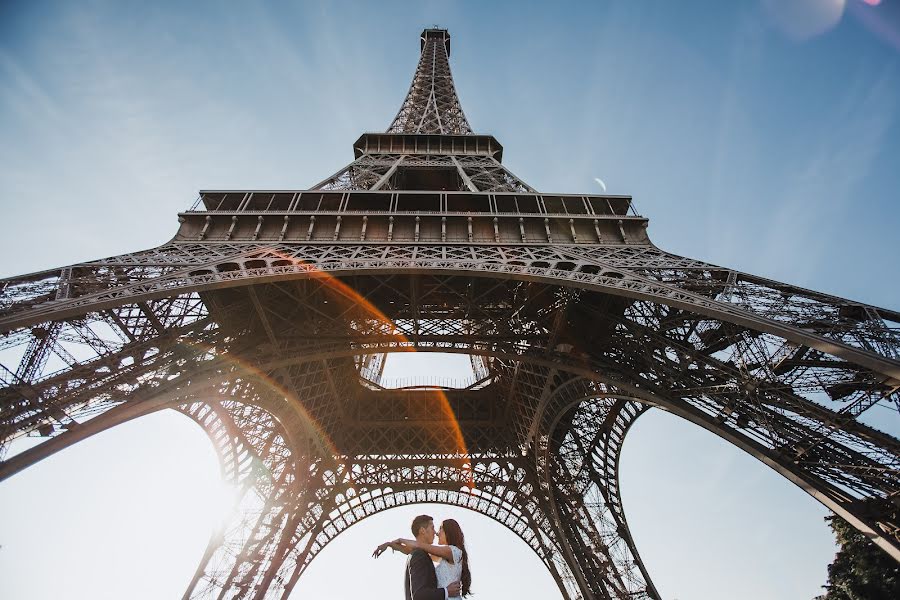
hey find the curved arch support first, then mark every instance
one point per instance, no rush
(588, 455)
(271, 473)
(165, 394)
(598, 429)
(578, 345)
(505, 492)
(581, 427)
(859, 340)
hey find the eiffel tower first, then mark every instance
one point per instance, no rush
(267, 319)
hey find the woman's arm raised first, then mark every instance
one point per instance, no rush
(434, 550)
(393, 546)
(400, 547)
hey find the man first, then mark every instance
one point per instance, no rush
(420, 581)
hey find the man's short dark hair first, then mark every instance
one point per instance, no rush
(420, 522)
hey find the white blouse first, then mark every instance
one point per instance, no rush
(448, 572)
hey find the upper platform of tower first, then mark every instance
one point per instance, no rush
(427, 179)
(431, 104)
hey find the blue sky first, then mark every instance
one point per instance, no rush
(759, 135)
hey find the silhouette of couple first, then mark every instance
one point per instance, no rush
(423, 580)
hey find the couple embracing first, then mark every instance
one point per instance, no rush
(423, 580)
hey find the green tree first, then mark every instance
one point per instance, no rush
(861, 570)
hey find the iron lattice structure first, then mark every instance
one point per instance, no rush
(267, 318)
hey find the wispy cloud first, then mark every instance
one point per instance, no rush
(823, 188)
(24, 95)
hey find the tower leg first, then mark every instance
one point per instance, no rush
(274, 478)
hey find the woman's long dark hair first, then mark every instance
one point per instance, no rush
(454, 536)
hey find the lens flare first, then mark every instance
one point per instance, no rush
(804, 19)
(259, 376)
(345, 293)
(881, 19)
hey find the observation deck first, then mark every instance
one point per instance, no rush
(404, 217)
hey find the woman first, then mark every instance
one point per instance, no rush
(450, 549)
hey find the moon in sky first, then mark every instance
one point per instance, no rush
(600, 183)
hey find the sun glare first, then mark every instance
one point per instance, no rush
(222, 500)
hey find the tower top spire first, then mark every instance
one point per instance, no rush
(431, 104)
(436, 33)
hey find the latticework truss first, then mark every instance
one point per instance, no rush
(267, 317)
(431, 105)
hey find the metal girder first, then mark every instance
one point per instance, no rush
(271, 337)
(431, 105)
(647, 346)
